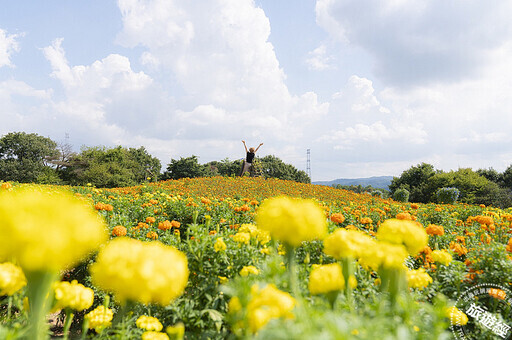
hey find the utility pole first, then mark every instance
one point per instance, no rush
(308, 163)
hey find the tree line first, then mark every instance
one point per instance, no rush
(31, 158)
(424, 184)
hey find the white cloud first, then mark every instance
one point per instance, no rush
(319, 60)
(418, 42)
(8, 45)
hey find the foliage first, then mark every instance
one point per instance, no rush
(447, 195)
(183, 167)
(415, 181)
(25, 157)
(401, 195)
(274, 167)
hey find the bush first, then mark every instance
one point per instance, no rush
(401, 195)
(377, 193)
(447, 195)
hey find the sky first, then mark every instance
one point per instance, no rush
(371, 87)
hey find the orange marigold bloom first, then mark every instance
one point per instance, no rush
(487, 220)
(433, 229)
(337, 218)
(485, 238)
(103, 206)
(461, 239)
(119, 230)
(175, 224)
(509, 245)
(404, 216)
(152, 235)
(457, 248)
(150, 220)
(427, 250)
(414, 206)
(153, 201)
(245, 207)
(366, 220)
(6, 185)
(254, 202)
(205, 200)
(165, 225)
(497, 293)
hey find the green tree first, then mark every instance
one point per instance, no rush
(274, 167)
(184, 167)
(415, 181)
(491, 174)
(225, 167)
(506, 178)
(26, 157)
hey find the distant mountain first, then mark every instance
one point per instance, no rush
(381, 182)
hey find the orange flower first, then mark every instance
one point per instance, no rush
(6, 185)
(103, 206)
(485, 238)
(119, 230)
(457, 248)
(150, 220)
(337, 218)
(509, 245)
(497, 293)
(433, 229)
(414, 206)
(175, 224)
(152, 235)
(404, 216)
(165, 225)
(366, 220)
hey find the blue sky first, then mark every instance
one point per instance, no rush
(371, 87)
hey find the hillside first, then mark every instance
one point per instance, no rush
(381, 182)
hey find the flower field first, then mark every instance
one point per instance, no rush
(231, 258)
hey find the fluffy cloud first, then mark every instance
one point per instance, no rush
(8, 45)
(320, 60)
(418, 42)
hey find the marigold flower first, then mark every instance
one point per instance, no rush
(165, 225)
(326, 278)
(442, 256)
(337, 218)
(292, 221)
(149, 323)
(456, 316)
(366, 220)
(47, 231)
(6, 185)
(246, 270)
(267, 304)
(141, 271)
(151, 335)
(119, 230)
(234, 305)
(150, 220)
(418, 278)
(497, 293)
(99, 318)
(409, 233)
(12, 278)
(223, 279)
(219, 245)
(433, 229)
(383, 254)
(72, 295)
(242, 238)
(346, 243)
(175, 224)
(458, 248)
(404, 216)
(177, 331)
(152, 235)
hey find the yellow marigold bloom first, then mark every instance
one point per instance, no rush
(337, 218)
(149, 323)
(219, 245)
(410, 234)
(346, 243)
(223, 279)
(72, 295)
(47, 231)
(418, 278)
(442, 257)
(147, 272)
(246, 270)
(234, 305)
(12, 278)
(326, 278)
(266, 304)
(382, 254)
(242, 238)
(433, 229)
(248, 228)
(456, 316)
(99, 318)
(177, 331)
(150, 335)
(263, 237)
(292, 221)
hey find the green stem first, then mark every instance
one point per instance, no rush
(292, 272)
(67, 323)
(85, 328)
(38, 292)
(9, 306)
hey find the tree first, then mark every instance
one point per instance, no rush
(26, 158)
(506, 178)
(276, 168)
(184, 167)
(491, 174)
(415, 181)
(225, 167)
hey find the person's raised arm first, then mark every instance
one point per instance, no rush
(245, 146)
(258, 147)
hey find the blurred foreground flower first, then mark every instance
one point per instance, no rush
(146, 272)
(409, 233)
(418, 278)
(12, 278)
(456, 316)
(266, 304)
(326, 278)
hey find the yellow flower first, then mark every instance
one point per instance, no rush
(383, 254)
(219, 245)
(47, 231)
(266, 304)
(12, 278)
(99, 318)
(326, 278)
(149, 323)
(246, 270)
(292, 221)
(456, 316)
(346, 243)
(147, 272)
(409, 233)
(176, 332)
(72, 295)
(442, 257)
(150, 335)
(242, 238)
(223, 279)
(248, 228)
(234, 305)
(418, 278)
